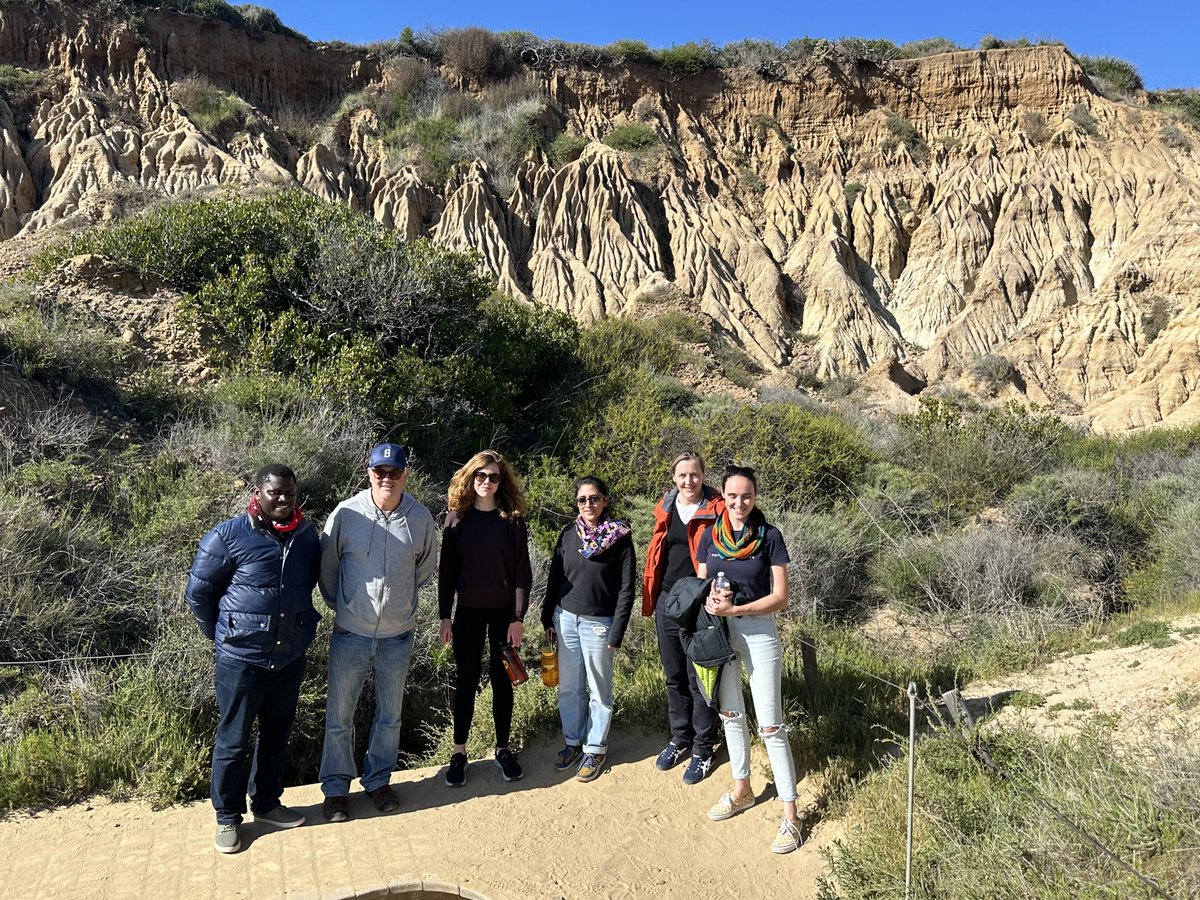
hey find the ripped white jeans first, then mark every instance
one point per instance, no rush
(756, 642)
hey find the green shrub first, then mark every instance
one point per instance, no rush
(802, 457)
(830, 552)
(852, 190)
(626, 50)
(1185, 104)
(749, 54)
(688, 59)
(1153, 633)
(1174, 138)
(209, 108)
(1082, 117)
(17, 82)
(980, 573)
(432, 139)
(1085, 504)
(980, 835)
(973, 457)
(632, 136)
(993, 371)
(60, 347)
(897, 500)
(1122, 75)
(292, 286)
(904, 132)
(926, 47)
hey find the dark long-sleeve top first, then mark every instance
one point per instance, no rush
(485, 561)
(601, 585)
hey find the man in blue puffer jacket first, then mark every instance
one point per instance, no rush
(250, 590)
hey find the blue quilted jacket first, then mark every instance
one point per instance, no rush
(252, 594)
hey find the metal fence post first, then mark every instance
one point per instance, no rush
(912, 758)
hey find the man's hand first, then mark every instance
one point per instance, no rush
(446, 633)
(516, 633)
(551, 636)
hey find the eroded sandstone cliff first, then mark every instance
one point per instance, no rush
(902, 220)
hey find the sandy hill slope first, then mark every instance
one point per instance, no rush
(902, 218)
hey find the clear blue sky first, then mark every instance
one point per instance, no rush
(1160, 37)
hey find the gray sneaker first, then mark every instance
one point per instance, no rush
(228, 839)
(280, 817)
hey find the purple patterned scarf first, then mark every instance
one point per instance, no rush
(594, 541)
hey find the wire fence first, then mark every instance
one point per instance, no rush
(980, 752)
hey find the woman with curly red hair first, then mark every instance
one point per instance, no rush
(485, 564)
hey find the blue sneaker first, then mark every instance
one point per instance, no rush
(698, 769)
(567, 757)
(671, 755)
(590, 768)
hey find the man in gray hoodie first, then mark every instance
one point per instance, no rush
(377, 549)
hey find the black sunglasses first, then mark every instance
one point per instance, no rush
(593, 500)
(493, 477)
(736, 471)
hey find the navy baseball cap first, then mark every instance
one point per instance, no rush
(388, 455)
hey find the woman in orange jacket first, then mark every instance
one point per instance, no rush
(680, 519)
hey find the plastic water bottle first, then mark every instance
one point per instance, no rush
(721, 583)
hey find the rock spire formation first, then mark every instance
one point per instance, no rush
(904, 220)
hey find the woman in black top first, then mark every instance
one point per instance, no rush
(589, 596)
(485, 561)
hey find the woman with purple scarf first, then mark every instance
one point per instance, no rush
(589, 596)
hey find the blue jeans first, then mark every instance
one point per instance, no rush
(583, 656)
(756, 642)
(351, 658)
(245, 693)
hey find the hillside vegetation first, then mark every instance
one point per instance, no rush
(997, 534)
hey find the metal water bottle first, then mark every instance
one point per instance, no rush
(513, 665)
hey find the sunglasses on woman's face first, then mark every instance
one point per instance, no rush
(482, 476)
(594, 500)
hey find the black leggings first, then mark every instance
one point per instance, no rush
(470, 628)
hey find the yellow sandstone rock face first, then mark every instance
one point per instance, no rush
(897, 222)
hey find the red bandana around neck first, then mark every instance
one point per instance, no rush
(264, 520)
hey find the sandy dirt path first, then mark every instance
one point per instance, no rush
(635, 832)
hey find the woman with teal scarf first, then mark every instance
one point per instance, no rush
(589, 596)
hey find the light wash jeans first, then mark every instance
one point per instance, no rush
(351, 658)
(756, 642)
(583, 655)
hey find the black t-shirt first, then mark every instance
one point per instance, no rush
(750, 577)
(679, 562)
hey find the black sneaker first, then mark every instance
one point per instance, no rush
(336, 809)
(671, 755)
(506, 762)
(698, 769)
(385, 799)
(456, 775)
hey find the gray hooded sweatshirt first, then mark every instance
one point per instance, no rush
(372, 564)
